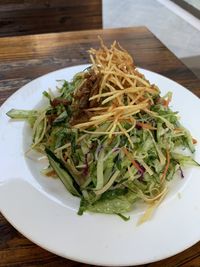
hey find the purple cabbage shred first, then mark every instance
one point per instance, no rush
(181, 172)
(141, 172)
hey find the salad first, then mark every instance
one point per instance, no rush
(109, 135)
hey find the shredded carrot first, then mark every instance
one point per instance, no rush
(51, 173)
(135, 164)
(167, 101)
(194, 141)
(166, 166)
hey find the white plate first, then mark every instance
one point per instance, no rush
(42, 210)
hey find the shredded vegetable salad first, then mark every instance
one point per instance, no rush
(110, 136)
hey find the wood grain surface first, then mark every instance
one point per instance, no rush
(24, 58)
(19, 17)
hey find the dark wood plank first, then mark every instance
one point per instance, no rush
(18, 17)
(25, 58)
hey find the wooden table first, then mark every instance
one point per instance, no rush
(24, 58)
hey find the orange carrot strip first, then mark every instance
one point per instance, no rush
(165, 102)
(135, 164)
(194, 141)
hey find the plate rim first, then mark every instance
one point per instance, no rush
(74, 258)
